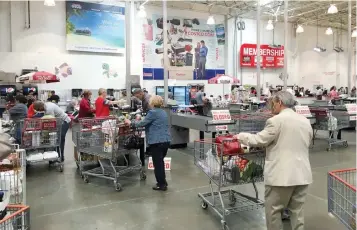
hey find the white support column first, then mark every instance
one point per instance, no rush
(165, 57)
(286, 38)
(226, 57)
(128, 49)
(349, 66)
(258, 49)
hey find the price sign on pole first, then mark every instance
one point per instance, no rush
(303, 110)
(351, 108)
(221, 115)
(167, 161)
(222, 127)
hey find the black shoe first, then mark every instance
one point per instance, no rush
(159, 188)
(166, 184)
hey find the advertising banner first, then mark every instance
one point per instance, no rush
(271, 57)
(94, 27)
(195, 49)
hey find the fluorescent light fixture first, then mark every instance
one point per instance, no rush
(49, 3)
(319, 49)
(142, 12)
(354, 33)
(210, 20)
(332, 9)
(299, 29)
(270, 25)
(328, 31)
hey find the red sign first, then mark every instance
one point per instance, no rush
(269, 57)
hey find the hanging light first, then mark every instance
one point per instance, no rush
(49, 3)
(299, 29)
(142, 12)
(210, 20)
(332, 9)
(270, 25)
(328, 31)
(354, 33)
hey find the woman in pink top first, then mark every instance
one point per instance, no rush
(333, 92)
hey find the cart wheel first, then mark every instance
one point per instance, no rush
(204, 205)
(345, 144)
(224, 226)
(118, 187)
(142, 176)
(85, 179)
(60, 168)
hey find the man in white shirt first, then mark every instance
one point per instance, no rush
(287, 173)
(54, 110)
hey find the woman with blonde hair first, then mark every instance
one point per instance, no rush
(158, 138)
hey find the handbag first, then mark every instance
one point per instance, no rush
(228, 146)
(133, 141)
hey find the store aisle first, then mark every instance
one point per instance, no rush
(63, 201)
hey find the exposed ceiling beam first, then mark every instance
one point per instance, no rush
(314, 10)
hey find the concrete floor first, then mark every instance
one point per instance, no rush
(62, 201)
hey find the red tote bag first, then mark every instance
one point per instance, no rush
(228, 146)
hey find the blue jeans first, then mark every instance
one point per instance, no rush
(65, 127)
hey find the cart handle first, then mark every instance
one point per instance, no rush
(22, 208)
(340, 179)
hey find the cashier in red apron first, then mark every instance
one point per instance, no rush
(102, 104)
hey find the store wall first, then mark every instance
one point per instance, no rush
(305, 66)
(43, 45)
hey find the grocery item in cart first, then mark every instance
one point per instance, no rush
(228, 146)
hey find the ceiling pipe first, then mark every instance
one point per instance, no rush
(325, 17)
(311, 11)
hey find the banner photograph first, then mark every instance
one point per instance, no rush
(195, 49)
(94, 27)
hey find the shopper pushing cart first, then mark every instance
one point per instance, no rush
(287, 170)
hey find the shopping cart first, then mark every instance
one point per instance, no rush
(15, 217)
(332, 121)
(342, 196)
(13, 177)
(41, 138)
(225, 170)
(250, 122)
(104, 138)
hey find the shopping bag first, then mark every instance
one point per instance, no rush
(133, 142)
(228, 146)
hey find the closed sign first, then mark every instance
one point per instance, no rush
(303, 110)
(221, 115)
(167, 162)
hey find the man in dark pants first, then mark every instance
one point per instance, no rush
(203, 60)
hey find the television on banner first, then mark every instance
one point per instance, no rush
(270, 57)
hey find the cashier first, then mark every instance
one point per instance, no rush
(200, 99)
(144, 97)
(102, 104)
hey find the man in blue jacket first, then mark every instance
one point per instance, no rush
(203, 58)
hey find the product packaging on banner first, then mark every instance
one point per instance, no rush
(303, 110)
(167, 161)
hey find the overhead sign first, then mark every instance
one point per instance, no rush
(221, 115)
(167, 161)
(270, 57)
(303, 110)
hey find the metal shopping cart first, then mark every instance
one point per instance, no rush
(13, 177)
(104, 138)
(342, 196)
(332, 121)
(16, 217)
(225, 170)
(251, 122)
(41, 138)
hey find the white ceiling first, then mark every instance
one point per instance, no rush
(300, 12)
